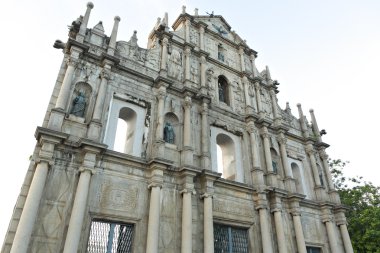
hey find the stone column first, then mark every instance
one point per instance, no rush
(281, 241)
(160, 113)
(187, 30)
(187, 63)
(205, 139)
(311, 152)
(246, 95)
(258, 100)
(277, 119)
(268, 158)
(341, 221)
(201, 38)
(315, 125)
(257, 172)
(203, 74)
(187, 218)
(289, 181)
(164, 55)
(327, 219)
(64, 92)
(83, 27)
(266, 238)
(300, 239)
(208, 224)
(187, 144)
(242, 63)
(112, 43)
(30, 209)
(105, 76)
(154, 208)
(324, 157)
(78, 212)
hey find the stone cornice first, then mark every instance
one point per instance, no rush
(42, 132)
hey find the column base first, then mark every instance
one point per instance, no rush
(272, 179)
(257, 176)
(56, 119)
(290, 184)
(94, 130)
(187, 156)
(334, 196)
(320, 192)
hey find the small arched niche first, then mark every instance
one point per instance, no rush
(321, 175)
(297, 177)
(80, 100)
(125, 130)
(226, 156)
(223, 90)
(171, 129)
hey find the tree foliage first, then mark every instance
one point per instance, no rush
(363, 200)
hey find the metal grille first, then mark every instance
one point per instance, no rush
(108, 237)
(313, 250)
(230, 239)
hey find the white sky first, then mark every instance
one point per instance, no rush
(325, 54)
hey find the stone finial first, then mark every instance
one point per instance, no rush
(90, 5)
(112, 43)
(83, 26)
(196, 12)
(183, 9)
(268, 73)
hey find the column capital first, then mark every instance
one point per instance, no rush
(309, 149)
(323, 154)
(295, 211)
(187, 51)
(165, 41)
(154, 184)
(187, 21)
(204, 108)
(188, 190)
(49, 161)
(84, 169)
(201, 29)
(161, 93)
(257, 85)
(264, 132)
(282, 139)
(206, 195)
(203, 59)
(252, 57)
(105, 74)
(272, 93)
(71, 61)
(251, 129)
(241, 50)
(187, 102)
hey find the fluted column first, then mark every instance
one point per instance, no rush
(155, 185)
(254, 70)
(341, 222)
(242, 63)
(300, 239)
(83, 27)
(112, 43)
(187, 63)
(289, 181)
(78, 211)
(187, 143)
(258, 100)
(268, 158)
(105, 76)
(64, 92)
(327, 219)
(164, 55)
(201, 38)
(205, 139)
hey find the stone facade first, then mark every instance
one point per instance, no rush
(234, 158)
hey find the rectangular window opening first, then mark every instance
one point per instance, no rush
(313, 249)
(110, 237)
(229, 239)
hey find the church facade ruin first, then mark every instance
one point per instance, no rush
(179, 147)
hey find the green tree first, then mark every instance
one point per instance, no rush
(363, 200)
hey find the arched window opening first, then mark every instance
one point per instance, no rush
(125, 131)
(275, 160)
(226, 156)
(297, 177)
(220, 53)
(223, 90)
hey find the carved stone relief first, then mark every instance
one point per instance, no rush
(238, 95)
(194, 36)
(194, 71)
(175, 64)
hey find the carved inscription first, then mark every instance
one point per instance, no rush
(225, 206)
(119, 199)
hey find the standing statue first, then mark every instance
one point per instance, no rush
(169, 133)
(79, 105)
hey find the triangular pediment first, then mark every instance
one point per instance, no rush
(217, 24)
